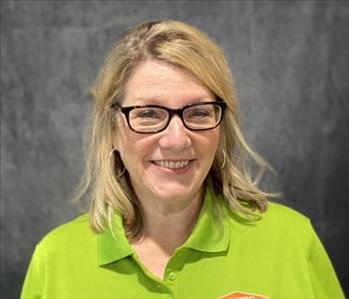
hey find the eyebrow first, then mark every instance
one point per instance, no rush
(161, 102)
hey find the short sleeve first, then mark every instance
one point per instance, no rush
(323, 277)
(32, 287)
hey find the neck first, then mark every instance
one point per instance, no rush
(167, 226)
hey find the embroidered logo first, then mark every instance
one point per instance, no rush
(243, 295)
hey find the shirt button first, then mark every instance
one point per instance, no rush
(172, 276)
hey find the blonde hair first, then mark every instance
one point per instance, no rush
(182, 45)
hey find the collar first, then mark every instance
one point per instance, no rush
(113, 246)
(208, 235)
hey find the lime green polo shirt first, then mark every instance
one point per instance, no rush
(280, 257)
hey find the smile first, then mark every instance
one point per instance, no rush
(172, 164)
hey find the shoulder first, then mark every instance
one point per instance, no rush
(69, 235)
(281, 230)
(278, 224)
(282, 222)
(282, 214)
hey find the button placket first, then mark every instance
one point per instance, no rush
(171, 282)
(172, 276)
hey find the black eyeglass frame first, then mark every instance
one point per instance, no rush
(126, 111)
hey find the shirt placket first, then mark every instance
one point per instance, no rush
(166, 287)
(172, 273)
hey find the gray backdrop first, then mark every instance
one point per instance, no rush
(290, 61)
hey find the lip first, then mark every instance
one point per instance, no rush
(172, 171)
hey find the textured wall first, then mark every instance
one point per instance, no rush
(291, 64)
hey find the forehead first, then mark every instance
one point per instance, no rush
(156, 82)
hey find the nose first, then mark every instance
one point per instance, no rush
(175, 136)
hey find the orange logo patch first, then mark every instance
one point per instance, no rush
(243, 295)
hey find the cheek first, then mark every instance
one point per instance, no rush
(127, 149)
(211, 151)
(209, 145)
(133, 148)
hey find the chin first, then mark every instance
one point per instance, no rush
(173, 192)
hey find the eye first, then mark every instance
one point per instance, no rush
(199, 113)
(148, 113)
(145, 116)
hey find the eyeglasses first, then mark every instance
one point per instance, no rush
(153, 118)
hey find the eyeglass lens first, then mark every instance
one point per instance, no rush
(197, 117)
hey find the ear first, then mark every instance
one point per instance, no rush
(115, 139)
(115, 134)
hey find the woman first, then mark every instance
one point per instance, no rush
(174, 212)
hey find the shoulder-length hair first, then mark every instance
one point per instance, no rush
(187, 47)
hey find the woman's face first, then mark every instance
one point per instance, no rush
(171, 165)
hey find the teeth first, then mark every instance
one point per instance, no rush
(172, 164)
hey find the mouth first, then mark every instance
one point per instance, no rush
(171, 164)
